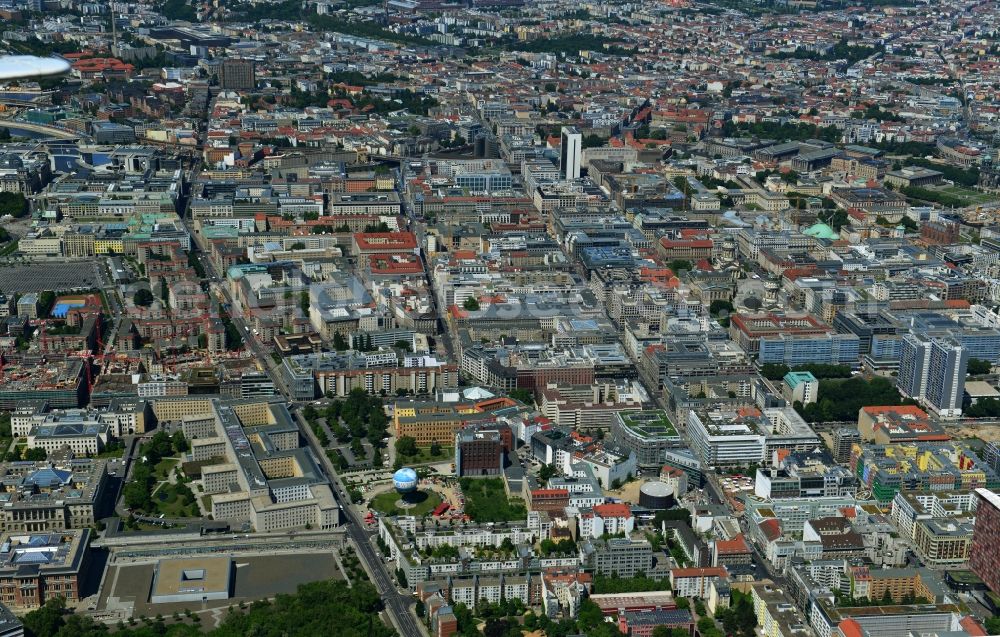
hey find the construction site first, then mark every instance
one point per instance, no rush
(59, 381)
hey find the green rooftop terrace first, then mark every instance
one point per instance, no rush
(649, 423)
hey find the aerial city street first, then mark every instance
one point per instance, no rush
(434, 318)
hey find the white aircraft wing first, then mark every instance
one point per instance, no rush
(14, 67)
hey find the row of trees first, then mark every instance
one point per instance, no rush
(978, 367)
(840, 51)
(777, 371)
(789, 131)
(233, 338)
(364, 29)
(406, 446)
(329, 608)
(984, 408)
(353, 419)
(967, 177)
(13, 203)
(840, 400)
(886, 600)
(509, 619)
(566, 44)
(137, 494)
(935, 196)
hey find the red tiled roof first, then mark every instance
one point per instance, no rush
(902, 410)
(699, 572)
(101, 64)
(613, 510)
(851, 628)
(385, 241)
(972, 627)
(737, 545)
(549, 492)
(381, 264)
(771, 528)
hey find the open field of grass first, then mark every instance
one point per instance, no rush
(486, 501)
(972, 195)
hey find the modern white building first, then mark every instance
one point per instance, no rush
(800, 387)
(82, 439)
(122, 417)
(695, 582)
(910, 508)
(612, 519)
(747, 436)
(609, 465)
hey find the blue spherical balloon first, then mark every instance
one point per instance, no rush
(405, 480)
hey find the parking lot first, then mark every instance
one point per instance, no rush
(37, 276)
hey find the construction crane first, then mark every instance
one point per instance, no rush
(86, 356)
(100, 339)
(89, 358)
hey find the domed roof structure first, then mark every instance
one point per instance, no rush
(822, 231)
(405, 480)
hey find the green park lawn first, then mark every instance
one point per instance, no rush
(385, 503)
(486, 501)
(424, 456)
(974, 196)
(169, 501)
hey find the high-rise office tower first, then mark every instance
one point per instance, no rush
(932, 370)
(570, 153)
(843, 439)
(984, 556)
(237, 74)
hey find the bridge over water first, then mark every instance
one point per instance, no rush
(42, 129)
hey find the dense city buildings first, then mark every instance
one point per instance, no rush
(509, 317)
